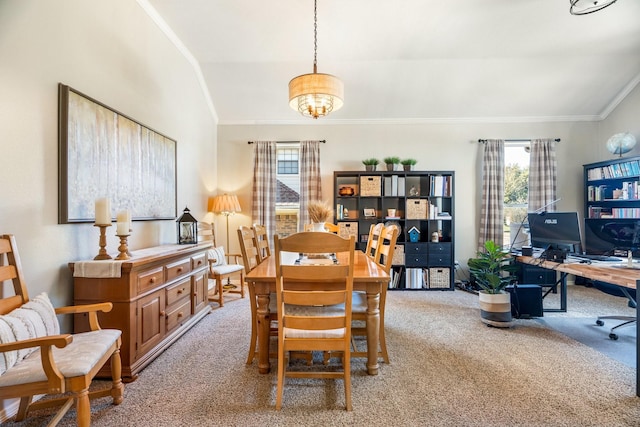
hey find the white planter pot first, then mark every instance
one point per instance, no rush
(495, 309)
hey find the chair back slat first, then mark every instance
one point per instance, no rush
(12, 270)
(386, 247)
(262, 241)
(372, 240)
(248, 248)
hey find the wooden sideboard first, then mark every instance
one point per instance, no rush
(160, 294)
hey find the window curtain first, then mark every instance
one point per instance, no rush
(263, 198)
(492, 211)
(310, 182)
(542, 175)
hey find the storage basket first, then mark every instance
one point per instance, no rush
(417, 208)
(370, 186)
(347, 229)
(398, 255)
(439, 278)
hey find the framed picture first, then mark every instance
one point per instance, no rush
(369, 213)
(103, 153)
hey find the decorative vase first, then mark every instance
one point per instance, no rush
(495, 309)
(318, 226)
(407, 167)
(391, 166)
(369, 167)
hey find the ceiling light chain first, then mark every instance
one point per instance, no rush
(316, 94)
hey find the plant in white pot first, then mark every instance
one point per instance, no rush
(493, 270)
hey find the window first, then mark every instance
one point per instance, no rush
(288, 161)
(516, 191)
(287, 188)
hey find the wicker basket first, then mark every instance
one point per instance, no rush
(370, 186)
(439, 278)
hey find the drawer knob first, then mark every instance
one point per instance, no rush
(180, 314)
(179, 270)
(152, 280)
(162, 313)
(180, 291)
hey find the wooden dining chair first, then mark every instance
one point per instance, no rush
(383, 257)
(262, 240)
(372, 239)
(251, 258)
(314, 305)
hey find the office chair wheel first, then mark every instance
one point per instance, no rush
(613, 336)
(599, 322)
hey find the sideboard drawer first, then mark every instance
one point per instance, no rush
(150, 279)
(198, 261)
(178, 291)
(415, 254)
(178, 269)
(178, 315)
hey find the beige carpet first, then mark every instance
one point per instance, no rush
(448, 369)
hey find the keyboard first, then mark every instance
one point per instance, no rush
(596, 257)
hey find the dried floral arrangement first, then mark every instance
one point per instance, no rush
(319, 211)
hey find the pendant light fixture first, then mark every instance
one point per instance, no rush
(316, 94)
(585, 7)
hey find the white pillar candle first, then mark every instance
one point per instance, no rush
(103, 211)
(122, 228)
(125, 216)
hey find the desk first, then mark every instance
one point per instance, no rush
(604, 272)
(367, 276)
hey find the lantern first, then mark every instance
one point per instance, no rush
(187, 228)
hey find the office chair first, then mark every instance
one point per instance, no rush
(618, 291)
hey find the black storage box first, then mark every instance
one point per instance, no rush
(526, 301)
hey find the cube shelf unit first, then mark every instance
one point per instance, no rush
(424, 210)
(612, 206)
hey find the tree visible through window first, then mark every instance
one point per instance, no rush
(516, 188)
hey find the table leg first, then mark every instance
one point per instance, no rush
(263, 330)
(373, 328)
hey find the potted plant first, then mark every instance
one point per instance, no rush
(493, 270)
(408, 164)
(370, 164)
(391, 162)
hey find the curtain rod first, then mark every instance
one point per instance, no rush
(482, 141)
(287, 142)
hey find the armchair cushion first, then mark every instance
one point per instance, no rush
(216, 256)
(74, 360)
(36, 318)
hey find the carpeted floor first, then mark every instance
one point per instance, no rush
(447, 369)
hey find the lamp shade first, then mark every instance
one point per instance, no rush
(224, 204)
(316, 94)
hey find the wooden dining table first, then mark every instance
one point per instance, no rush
(367, 276)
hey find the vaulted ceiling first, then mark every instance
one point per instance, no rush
(412, 61)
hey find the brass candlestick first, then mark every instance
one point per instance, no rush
(102, 253)
(123, 248)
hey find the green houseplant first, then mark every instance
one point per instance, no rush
(493, 270)
(370, 164)
(408, 164)
(391, 162)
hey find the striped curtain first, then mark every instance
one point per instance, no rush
(542, 175)
(310, 182)
(263, 198)
(492, 211)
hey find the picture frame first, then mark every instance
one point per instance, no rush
(369, 213)
(104, 153)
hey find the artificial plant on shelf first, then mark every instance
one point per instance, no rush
(371, 163)
(391, 162)
(493, 270)
(408, 164)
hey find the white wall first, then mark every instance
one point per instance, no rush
(113, 52)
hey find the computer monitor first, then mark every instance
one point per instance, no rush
(555, 230)
(606, 237)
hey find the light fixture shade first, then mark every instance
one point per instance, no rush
(224, 204)
(585, 7)
(316, 94)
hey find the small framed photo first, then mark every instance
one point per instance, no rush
(369, 213)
